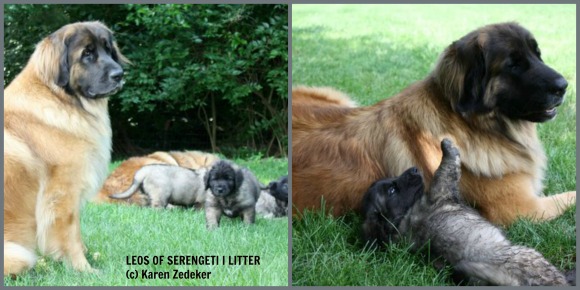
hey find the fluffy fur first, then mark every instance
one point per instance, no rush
(321, 97)
(168, 184)
(453, 230)
(486, 93)
(122, 176)
(273, 201)
(234, 192)
(57, 143)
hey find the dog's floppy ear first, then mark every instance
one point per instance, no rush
(273, 185)
(206, 178)
(51, 58)
(64, 71)
(119, 58)
(377, 231)
(239, 179)
(472, 100)
(462, 73)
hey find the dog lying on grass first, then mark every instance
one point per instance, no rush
(233, 191)
(168, 184)
(398, 207)
(273, 201)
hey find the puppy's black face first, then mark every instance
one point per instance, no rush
(221, 179)
(386, 203)
(279, 188)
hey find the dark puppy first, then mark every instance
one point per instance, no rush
(273, 201)
(453, 230)
(390, 197)
(234, 192)
(279, 189)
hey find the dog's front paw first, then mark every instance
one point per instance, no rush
(211, 227)
(82, 265)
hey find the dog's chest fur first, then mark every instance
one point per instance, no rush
(98, 156)
(82, 134)
(231, 206)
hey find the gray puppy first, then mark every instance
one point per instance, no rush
(233, 192)
(168, 184)
(273, 201)
(455, 231)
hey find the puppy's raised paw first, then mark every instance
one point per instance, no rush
(449, 149)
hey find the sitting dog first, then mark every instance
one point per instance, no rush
(233, 192)
(273, 201)
(168, 184)
(476, 248)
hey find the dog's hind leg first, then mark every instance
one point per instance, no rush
(484, 273)
(22, 183)
(555, 205)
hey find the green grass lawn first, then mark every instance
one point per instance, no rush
(374, 51)
(113, 232)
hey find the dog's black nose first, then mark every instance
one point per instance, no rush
(116, 75)
(559, 87)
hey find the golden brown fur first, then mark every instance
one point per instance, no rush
(57, 143)
(122, 177)
(321, 97)
(338, 151)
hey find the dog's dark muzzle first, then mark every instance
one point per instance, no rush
(220, 190)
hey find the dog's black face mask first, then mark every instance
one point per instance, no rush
(386, 203)
(221, 179)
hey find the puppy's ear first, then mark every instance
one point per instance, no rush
(273, 186)
(206, 179)
(239, 179)
(377, 232)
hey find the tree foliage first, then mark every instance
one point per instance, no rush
(203, 76)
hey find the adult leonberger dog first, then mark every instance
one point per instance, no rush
(486, 93)
(57, 143)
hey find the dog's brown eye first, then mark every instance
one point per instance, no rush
(392, 190)
(89, 50)
(515, 62)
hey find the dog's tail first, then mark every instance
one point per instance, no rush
(130, 191)
(17, 258)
